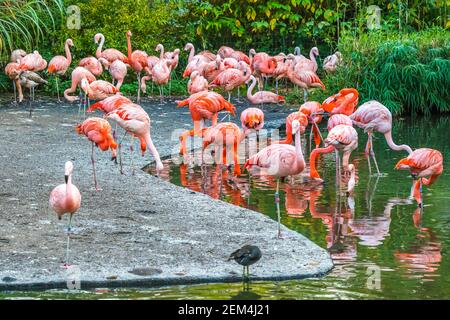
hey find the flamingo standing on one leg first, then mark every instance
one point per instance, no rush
(279, 160)
(340, 138)
(59, 64)
(66, 198)
(12, 71)
(262, 97)
(98, 131)
(373, 116)
(132, 118)
(138, 61)
(202, 106)
(425, 165)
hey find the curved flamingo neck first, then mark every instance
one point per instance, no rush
(152, 148)
(393, 146)
(298, 150)
(250, 89)
(98, 53)
(312, 159)
(161, 54)
(312, 56)
(68, 54)
(191, 53)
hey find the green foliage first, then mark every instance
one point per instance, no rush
(24, 24)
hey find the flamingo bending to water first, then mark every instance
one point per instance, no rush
(313, 111)
(59, 64)
(98, 131)
(78, 74)
(425, 165)
(373, 116)
(66, 198)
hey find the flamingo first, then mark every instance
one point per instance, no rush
(262, 64)
(240, 56)
(59, 64)
(138, 61)
(344, 102)
(252, 118)
(66, 198)
(109, 54)
(161, 71)
(77, 74)
(98, 89)
(232, 78)
(279, 160)
(225, 52)
(332, 62)
(92, 64)
(98, 131)
(262, 97)
(373, 116)
(33, 62)
(195, 59)
(224, 135)
(313, 110)
(425, 165)
(305, 79)
(280, 71)
(30, 80)
(301, 118)
(340, 138)
(109, 104)
(117, 69)
(210, 70)
(197, 83)
(308, 64)
(202, 106)
(337, 119)
(12, 71)
(133, 118)
(173, 59)
(229, 63)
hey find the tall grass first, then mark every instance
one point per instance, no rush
(24, 24)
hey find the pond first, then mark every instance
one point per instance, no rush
(377, 230)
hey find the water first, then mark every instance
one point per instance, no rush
(382, 231)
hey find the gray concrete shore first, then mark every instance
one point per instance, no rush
(138, 230)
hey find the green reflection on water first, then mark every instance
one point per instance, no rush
(384, 228)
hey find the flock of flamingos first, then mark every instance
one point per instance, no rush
(228, 69)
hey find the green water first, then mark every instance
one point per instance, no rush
(382, 231)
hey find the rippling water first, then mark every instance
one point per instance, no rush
(378, 228)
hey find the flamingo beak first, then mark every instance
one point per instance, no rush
(66, 178)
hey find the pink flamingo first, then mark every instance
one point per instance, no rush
(173, 59)
(210, 70)
(66, 198)
(279, 160)
(109, 104)
(12, 71)
(117, 69)
(197, 83)
(305, 79)
(33, 62)
(161, 71)
(313, 110)
(138, 61)
(308, 64)
(337, 119)
(91, 64)
(232, 78)
(373, 116)
(262, 65)
(60, 64)
(109, 54)
(303, 121)
(425, 165)
(280, 71)
(262, 97)
(98, 131)
(195, 59)
(77, 74)
(340, 138)
(97, 90)
(225, 52)
(132, 118)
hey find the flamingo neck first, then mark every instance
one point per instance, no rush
(312, 159)
(393, 146)
(152, 148)
(161, 55)
(250, 89)
(129, 47)
(312, 56)
(191, 53)
(98, 53)
(69, 190)
(68, 54)
(298, 150)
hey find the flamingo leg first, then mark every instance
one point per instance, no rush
(367, 153)
(305, 95)
(229, 96)
(277, 203)
(57, 89)
(237, 167)
(15, 93)
(66, 264)
(310, 138)
(30, 103)
(139, 87)
(276, 85)
(93, 167)
(372, 154)
(131, 154)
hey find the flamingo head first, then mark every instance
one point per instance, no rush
(97, 38)
(129, 34)
(68, 168)
(315, 51)
(250, 79)
(330, 103)
(352, 181)
(84, 84)
(252, 52)
(188, 46)
(297, 51)
(295, 126)
(194, 74)
(69, 42)
(176, 52)
(159, 47)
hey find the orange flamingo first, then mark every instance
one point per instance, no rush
(78, 74)
(12, 71)
(98, 131)
(252, 119)
(203, 105)
(109, 104)
(66, 198)
(425, 165)
(340, 138)
(60, 64)
(262, 97)
(197, 83)
(313, 111)
(301, 118)
(138, 61)
(344, 102)
(373, 116)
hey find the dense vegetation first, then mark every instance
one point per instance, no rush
(404, 63)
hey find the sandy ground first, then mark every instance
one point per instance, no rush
(138, 230)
